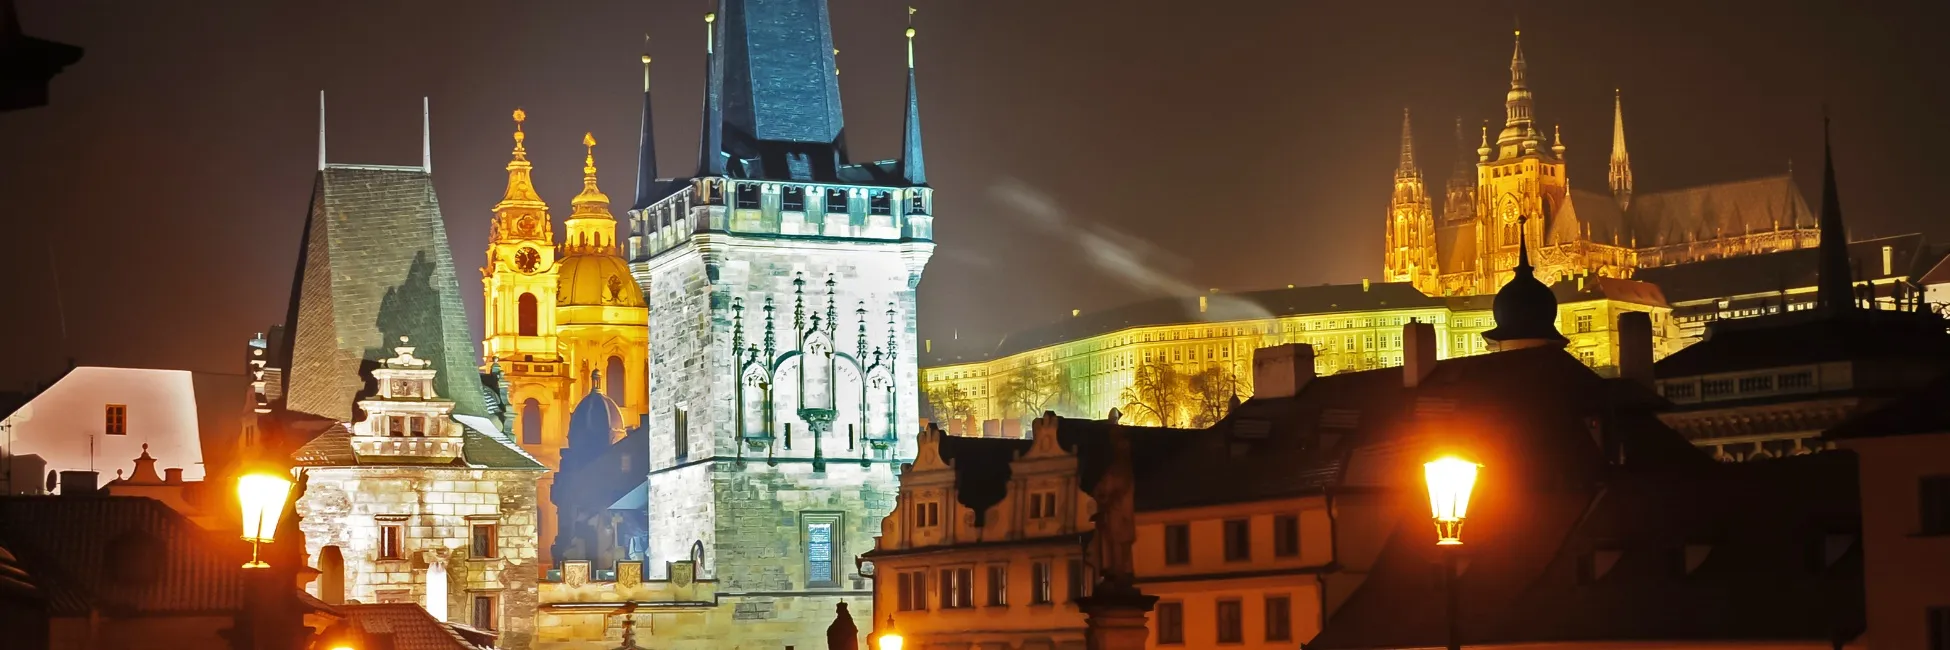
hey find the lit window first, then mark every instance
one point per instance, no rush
(1584, 323)
(998, 585)
(957, 588)
(822, 540)
(392, 541)
(1039, 583)
(1079, 578)
(117, 420)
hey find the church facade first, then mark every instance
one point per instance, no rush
(560, 314)
(1519, 180)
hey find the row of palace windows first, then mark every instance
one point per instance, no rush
(954, 587)
(1228, 619)
(1238, 540)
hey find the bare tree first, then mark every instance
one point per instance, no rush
(951, 404)
(1210, 392)
(1035, 389)
(1155, 396)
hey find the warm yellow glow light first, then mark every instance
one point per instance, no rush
(891, 640)
(1450, 479)
(262, 497)
(343, 647)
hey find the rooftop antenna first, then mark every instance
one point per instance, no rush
(426, 136)
(321, 130)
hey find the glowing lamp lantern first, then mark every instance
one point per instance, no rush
(890, 640)
(262, 497)
(1450, 481)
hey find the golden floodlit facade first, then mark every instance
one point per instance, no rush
(560, 315)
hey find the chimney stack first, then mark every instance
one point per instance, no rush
(1635, 347)
(78, 483)
(1418, 352)
(1282, 370)
(173, 476)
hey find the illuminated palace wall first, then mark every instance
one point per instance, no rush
(1185, 359)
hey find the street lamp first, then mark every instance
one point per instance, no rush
(262, 497)
(890, 640)
(1450, 480)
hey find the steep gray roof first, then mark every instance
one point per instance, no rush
(373, 265)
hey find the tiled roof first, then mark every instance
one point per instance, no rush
(397, 626)
(1594, 287)
(1812, 336)
(1219, 307)
(1763, 551)
(374, 265)
(1778, 272)
(80, 549)
(1717, 210)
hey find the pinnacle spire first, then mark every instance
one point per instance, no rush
(1833, 291)
(321, 130)
(1517, 126)
(591, 227)
(710, 148)
(1406, 168)
(646, 146)
(1523, 249)
(914, 167)
(426, 136)
(1621, 161)
(521, 189)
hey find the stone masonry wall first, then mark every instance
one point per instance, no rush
(344, 507)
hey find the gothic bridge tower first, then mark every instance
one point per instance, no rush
(781, 279)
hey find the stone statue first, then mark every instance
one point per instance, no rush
(1116, 527)
(842, 634)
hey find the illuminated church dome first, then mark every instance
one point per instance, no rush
(591, 273)
(1525, 309)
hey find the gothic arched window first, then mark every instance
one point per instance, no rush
(529, 319)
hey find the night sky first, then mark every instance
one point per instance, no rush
(1236, 145)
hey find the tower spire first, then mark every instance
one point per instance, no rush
(914, 167)
(1459, 203)
(1406, 168)
(710, 149)
(1517, 124)
(521, 189)
(1833, 291)
(426, 136)
(1621, 162)
(646, 145)
(321, 130)
(591, 227)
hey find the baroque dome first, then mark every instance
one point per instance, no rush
(596, 419)
(596, 279)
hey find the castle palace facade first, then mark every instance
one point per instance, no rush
(1519, 181)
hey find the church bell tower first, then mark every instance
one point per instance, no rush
(1520, 184)
(1410, 237)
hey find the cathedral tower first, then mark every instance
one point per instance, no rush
(1520, 184)
(1459, 203)
(1621, 162)
(1410, 236)
(781, 281)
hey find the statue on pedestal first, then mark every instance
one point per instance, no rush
(1116, 527)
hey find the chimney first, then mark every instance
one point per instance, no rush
(1418, 352)
(1282, 370)
(173, 476)
(1635, 347)
(78, 483)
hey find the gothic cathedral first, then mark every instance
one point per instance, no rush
(1521, 192)
(562, 318)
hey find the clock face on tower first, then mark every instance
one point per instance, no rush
(526, 259)
(1509, 208)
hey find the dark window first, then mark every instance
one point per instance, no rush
(747, 196)
(528, 320)
(957, 588)
(913, 591)
(117, 420)
(484, 612)
(392, 541)
(1939, 628)
(836, 201)
(396, 426)
(880, 203)
(531, 422)
(792, 199)
(1230, 622)
(1279, 618)
(1716, 387)
(927, 515)
(998, 585)
(1079, 580)
(1679, 390)
(1178, 544)
(1933, 500)
(681, 440)
(1756, 384)
(484, 541)
(1239, 540)
(1039, 578)
(1286, 535)
(1171, 623)
(418, 426)
(614, 381)
(1803, 379)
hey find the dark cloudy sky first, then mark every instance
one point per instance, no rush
(1235, 145)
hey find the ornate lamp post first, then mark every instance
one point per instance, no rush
(262, 497)
(1450, 481)
(889, 639)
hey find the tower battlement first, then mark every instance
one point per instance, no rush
(781, 208)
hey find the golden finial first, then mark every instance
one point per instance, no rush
(589, 159)
(591, 202)
(710, 18)
(910, 37)
(520, 116)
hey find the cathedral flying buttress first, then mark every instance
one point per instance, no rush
(814, 388)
